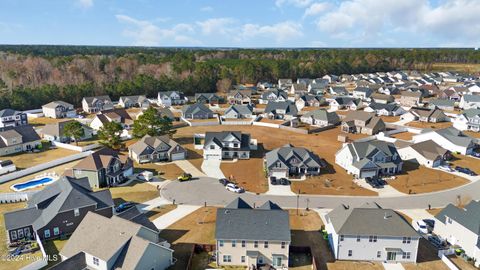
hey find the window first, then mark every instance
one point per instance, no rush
(234, 243)
(406, 255)
(20, 234)
(235, 145)
(220, 243)
(244, 243)
(350, 253)
(449, 220)
(243, 259)
(265, 245)
(76, 212)
(26, 231)
(56, 231)
(379, 254)
(255, 244)
(407, 240)
(260, 260)
(372, 238)
(227, 258)
(96, 261)
(13, 235)
(283, 245)
(46, 233)
(358, 238)
(341, 237)
(212, 147)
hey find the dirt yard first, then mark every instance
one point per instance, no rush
(42, 121)
(324, 144)
(439, 125)
(134, 192)
(160, 211)
(419, 179)
(427, 258)
(27, 160)
(406, 136)
(390, 119)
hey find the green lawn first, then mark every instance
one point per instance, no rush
(136, 191)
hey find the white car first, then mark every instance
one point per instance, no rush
(421, 226)
(234, 188)
(445, 168)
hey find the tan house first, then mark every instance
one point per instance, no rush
(363, 122)
(410, 98)
(240, 96)
(59, 109)
(252, 237)
(18, 139)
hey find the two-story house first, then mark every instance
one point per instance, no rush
(102, 243)
(389, 109)
(285, 83)
(96, 104)
(320, 118)
(273, 96)
(362, 122)
(104, 168)
(59, 109)
(347, 103)
(18, 139)
(252, 237)
(290, 161)
(363, 93)
(12, 118)
(238, 112)
(117, 115)
(139, 101)
(154, 149)
(369, 159)
(240, 97)
(298, 89)
(197, 111)
(468, 120)
(427, 115)
(207, 98)
(371, 233)
(310, 101)
(284, 110)
(169, 98)
(57, 210)
(426, 153)
(227, 145)
(450, 138)
(56, 132)
(461, 226)
(469, 102)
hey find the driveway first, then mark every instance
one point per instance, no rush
(188, 167)
(212, 168)
(208, 190)
(173, 216)
(386, 191)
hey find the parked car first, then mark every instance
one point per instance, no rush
(465, 171)
(375, 182)
(274, 181)
(476, 154)
(234, 188)
(436, 241)
(445, 168)
(184, 177)
(430, 223)
(124, 206)
(224, 181)
(421, 226)
(284, 181)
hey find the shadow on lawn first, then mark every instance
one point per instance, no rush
(319, 247)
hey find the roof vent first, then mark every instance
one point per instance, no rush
(227, 211)
(386, 216)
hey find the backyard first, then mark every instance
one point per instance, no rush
(135, 191)
(438, 125)
(27, 160)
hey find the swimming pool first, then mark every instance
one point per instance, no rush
(32, 183)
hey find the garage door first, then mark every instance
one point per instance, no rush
(213, 157)
(279, 174)
(178, 156)
(365, 174)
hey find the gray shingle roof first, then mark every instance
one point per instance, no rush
(471, 98)
(288, 106)
(219, 137)
(149, 144)
(323, 115)
(27, 132)
(240, 109)
(284, 154)
(8, 112)
(196, 108)
(252, 224)
(57, 103)
(469, 217)
(455, 136)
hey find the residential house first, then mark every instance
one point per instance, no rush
(426, 153)
(425, 115)
(273, 96)
(57, 210)
(470, 102)
(18, 139)
(290, 161)
(285, 110)
(298, 89)
(369, 159)
(171, 98)
(410, 98)
(318, 86)
(285, 83)
(450, 94)
(460, 227)
(320, 118)
(208, 98)
(96, 104)
(104, 168)
(468, 120)
(154, 149)
(59, 109)
(371, 233)
(362, 122)
(114, 243)
(363, 93)
(259, 237)
(331, 78)
(450, 138)
(197, 111)
(240, 97)
(227, 145)
(304, 81)
(134, 101)
(338, 91)
(442, 104)
(117, 115)
(7, 166)
(56, 132)
(389, 109)
(474, 87)
(382, 98)
(310, 101)
(346, 103)
(239, 112)
(164, 112)
(12, 118)
(389, 90)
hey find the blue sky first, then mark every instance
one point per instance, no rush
(242, 23)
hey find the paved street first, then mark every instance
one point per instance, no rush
(208, 190)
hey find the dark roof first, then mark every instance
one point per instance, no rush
(63, 195)
(288, 106)
(238, 203)
(469, 217)
(219, 137)
(252, 224)
(75, 262)
(100, 159)
(8, 112)
(134, 215)
(196, 108)
(285, 154)
(27, 132)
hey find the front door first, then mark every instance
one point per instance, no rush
(391, 256)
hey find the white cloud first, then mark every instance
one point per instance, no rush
(145, 33)
(297, 3)
(216, 26)
(280, 32)
(206, 9)
(316, 9)
(85, 3)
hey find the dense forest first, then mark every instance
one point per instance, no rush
(32, 75)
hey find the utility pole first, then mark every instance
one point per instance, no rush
(298, 200)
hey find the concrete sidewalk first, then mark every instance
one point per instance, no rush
(173, 216)
(188, 167)
(212, 168)
(393, 266)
